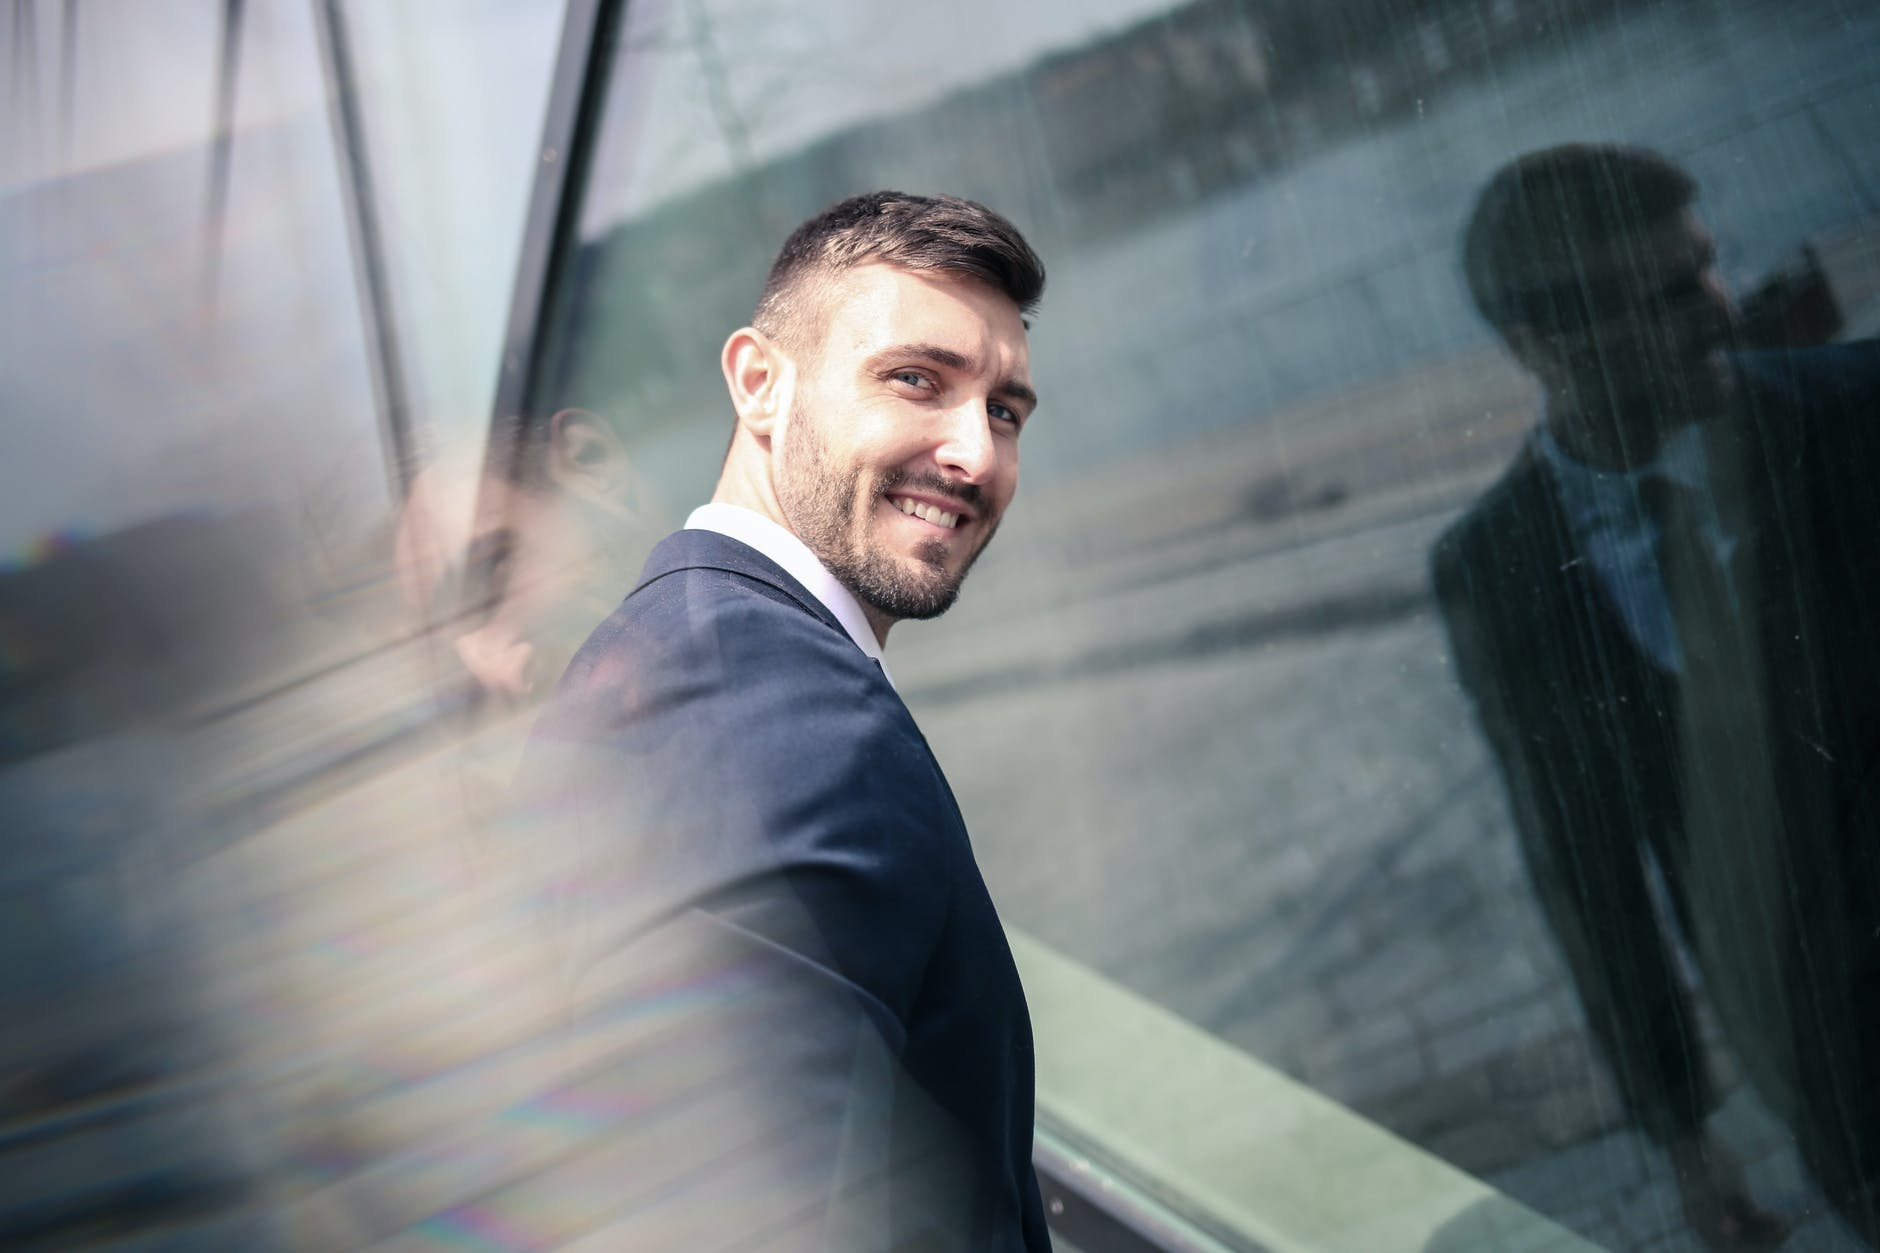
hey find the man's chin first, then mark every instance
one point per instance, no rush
(924, 610)
(907, 589)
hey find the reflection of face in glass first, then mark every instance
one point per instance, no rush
(527, 551)
(1660, 311)
(901, 452)
(548, 559)
(1647, 325)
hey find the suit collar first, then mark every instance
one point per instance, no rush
(781, 546)
(1765, 422)
(1760, 437)
(1542, 572)
(709, 550)
(701, 549)
(784, 550)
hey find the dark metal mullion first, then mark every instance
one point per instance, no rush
(23, 87)
(68, 79)
(375, 298)
(551, 236)
(222, 142)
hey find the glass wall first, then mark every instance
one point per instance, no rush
(201, 633)
(1426, 675)
(1311, 691)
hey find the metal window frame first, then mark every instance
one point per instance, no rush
(359, 202)
(551, 232)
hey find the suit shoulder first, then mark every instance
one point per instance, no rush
(684, 605)
(700, 621)
(1813, 409)
(729, 667)
(1831, 375)
(1505, 507)
(761, 761)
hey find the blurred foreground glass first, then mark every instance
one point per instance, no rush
(202, 645)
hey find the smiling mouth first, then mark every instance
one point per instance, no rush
(926, 512)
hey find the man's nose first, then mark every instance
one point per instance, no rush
(966, 447)
(1722, 303)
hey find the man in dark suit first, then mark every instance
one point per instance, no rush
(818, 1025)
(1665, 613)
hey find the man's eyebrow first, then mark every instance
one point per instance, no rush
(1021, 392)
(1011, 388)
(935, 353)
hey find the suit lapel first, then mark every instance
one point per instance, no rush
(708, 550)
(1577, 659)
(1571, 605)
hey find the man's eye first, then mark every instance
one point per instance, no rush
(490, 555)
(913, 378)
(1001, 412)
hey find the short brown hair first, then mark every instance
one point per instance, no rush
(913, 232)
(1542, 212)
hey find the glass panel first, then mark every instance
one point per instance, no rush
(201, 638)
(186, 376)
(193, 474)
(452, 101)
(1475, 856)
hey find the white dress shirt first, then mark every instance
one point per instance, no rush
(1621, 544)
(783, 547)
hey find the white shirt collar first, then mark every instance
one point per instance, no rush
(1594, 494)
(778, 543)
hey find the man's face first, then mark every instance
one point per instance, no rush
(1658, 321)
(900, 451)
(544, 563)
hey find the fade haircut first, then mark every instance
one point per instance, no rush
(1541, 215)
(913, 232)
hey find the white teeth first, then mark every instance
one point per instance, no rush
(927, 513)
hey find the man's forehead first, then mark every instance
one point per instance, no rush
(1674, 242)
(882, 300)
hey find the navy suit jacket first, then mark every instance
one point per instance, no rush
(831, 1048)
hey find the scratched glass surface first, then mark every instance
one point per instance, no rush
(1528, 816)
(1216, 734)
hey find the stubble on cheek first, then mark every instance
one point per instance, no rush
(843, 524)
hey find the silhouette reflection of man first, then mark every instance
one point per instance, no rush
(1665, 614)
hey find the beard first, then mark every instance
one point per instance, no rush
(829, 512)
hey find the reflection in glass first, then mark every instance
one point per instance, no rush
(1198, 704)
(1671, 663)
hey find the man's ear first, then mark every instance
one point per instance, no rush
(586, 457)
(760, 377)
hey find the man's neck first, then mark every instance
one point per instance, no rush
(759, 495)
(1617, 434)
(1620, 440)
(877, 621)
(823, 582)
(1602, 441)
(738, 486)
